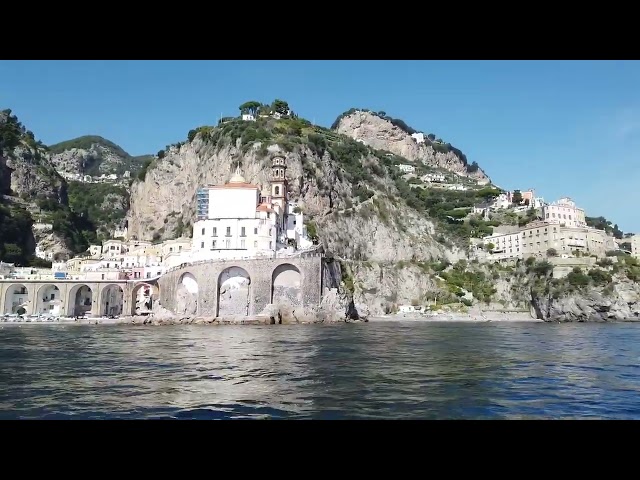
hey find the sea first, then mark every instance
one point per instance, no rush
(375, 370)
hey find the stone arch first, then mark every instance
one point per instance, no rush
(186, 301)
(16, 298)
(80, 300)
(143, 297)
(234, 292)
(286, 285)
(112, 300)
(49, 300)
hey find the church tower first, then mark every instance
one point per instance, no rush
(279, 182)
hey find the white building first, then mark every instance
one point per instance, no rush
(505, 245)
(406, 168)
(295, 228)
(564, 212)
(537, 202)
(635, 246)
(247, 117)
(434, 177)
(418, 137)
(113, 248)
(237, 223)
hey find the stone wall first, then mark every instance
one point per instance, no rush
(242, 287)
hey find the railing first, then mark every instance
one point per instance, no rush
(310, 253)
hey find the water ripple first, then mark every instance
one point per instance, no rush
(405, 371)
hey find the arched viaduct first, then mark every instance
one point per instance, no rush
(210, 288)
(72, 297)
(241, 287)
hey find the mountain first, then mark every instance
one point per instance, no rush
(390, 239)
(380, 131)
(34, 193)
(94, 155)
(356, 201)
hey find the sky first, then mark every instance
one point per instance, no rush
(563, 128)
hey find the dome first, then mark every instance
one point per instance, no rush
(237, 177)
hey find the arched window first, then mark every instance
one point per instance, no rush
(277, 190)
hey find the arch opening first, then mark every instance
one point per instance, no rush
(49, 301)
(234, 292)
(80, 301)
(16, 300)
(143, 297)
(187, 295)
(286, 285)
(112, 301)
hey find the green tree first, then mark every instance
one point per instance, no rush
(280, 106)
(431, 137)
(516, 197)
(250, 107)
(552, 252)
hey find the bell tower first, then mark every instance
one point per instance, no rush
(279, 182)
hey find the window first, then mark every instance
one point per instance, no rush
(255, 231)
(148, 274)
(180, 248)
(277, 190)
(203, 231)
(242, 245)
(171, 249)
(228, 231)
(242, 232)
(213, 245)
(201, 244)
(215, 232)
(270, 245)
(269, 232)
(227, 243)
(255, 244)
(103, 276)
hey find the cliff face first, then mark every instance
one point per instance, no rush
(93, 155)
(383, 135)
(30, 182)
(621, 302)
(378, 229)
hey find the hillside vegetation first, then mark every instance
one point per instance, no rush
(34, 188)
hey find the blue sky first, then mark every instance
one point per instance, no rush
(561, 127)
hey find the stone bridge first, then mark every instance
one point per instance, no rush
(241, 287)
(72, 297)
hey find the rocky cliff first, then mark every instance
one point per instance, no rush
(380, 132)
(95, 156)
(34, 192)
(347, 193)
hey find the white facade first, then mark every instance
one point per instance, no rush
(295, 228)
(238, 225)
(506, 246)
(247, 117)
(418, 137)
(537, 202)
(114, 248)
(564, 212)
(406, 168)
(433, 177)
(635, 246)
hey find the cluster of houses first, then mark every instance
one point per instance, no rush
(559, 231)
(235, 220)
(104, 178)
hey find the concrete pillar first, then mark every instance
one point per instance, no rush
(260, 292)
(95, 299)
(207, 292)
(3, 294)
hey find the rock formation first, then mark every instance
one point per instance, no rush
(381, 134)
